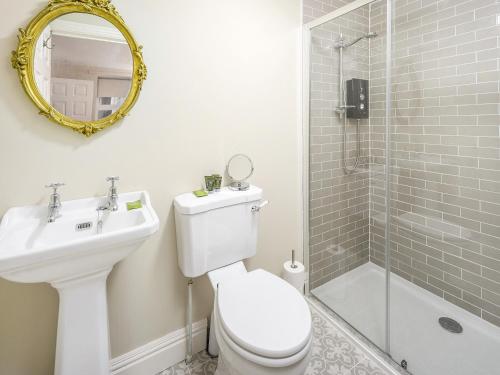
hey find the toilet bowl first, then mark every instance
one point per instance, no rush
(262, 326)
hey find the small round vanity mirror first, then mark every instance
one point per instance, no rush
(239, 169)
(83, 66)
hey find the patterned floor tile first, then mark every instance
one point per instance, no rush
(178, 369)
(332, 353)
(207, 368)
(367, 367)
(199, 359)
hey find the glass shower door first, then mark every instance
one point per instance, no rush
(445, 183)
(346, 180)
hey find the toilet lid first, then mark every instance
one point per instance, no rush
(264, 314)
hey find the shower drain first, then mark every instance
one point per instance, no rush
(450, 325)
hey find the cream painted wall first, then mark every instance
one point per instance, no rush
(222, 79)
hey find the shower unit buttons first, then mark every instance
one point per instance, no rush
(357, 98)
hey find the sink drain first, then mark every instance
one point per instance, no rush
(451, 325)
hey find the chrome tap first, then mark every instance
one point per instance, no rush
(55, 202)
(112, 199)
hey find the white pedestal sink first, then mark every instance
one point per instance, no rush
(75, 255)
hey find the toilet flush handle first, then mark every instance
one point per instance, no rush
(257, 208)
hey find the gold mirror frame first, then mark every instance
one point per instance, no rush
(23, 60)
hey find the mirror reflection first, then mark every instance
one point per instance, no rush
(83, 66)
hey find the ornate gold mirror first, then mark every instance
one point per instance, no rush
(79, 63)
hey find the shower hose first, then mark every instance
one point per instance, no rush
(347, 169)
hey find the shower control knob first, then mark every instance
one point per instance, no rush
(361, 106)
(362, 97)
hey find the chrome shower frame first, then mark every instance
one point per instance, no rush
(306, 44)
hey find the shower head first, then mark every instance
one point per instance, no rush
(341, 43)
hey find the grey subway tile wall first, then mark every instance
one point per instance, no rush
(445, 154)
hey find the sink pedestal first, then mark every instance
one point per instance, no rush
(82, 332)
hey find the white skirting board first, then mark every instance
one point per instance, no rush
(161, 353)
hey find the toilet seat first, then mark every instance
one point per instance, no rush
(264, 318)
(256, 359)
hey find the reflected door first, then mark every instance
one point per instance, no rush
(73, 97)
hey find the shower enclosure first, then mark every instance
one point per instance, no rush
(402, 139)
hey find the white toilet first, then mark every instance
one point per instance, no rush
(260, 324)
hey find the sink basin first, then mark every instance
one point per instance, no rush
(75, 254)
(33, 250)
